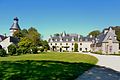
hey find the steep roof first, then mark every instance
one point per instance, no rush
(103, 37)
(15, 25)
(2, 37)
(69, 38)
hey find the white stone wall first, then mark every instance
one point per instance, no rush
(5, 43)
(106, 48)
(84, 45)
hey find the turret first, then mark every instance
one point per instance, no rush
(15, 26)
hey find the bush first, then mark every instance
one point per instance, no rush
(19, 51)
(34, 50)
(98, 52)
(76, 47)
(41, 49)
(2, 52)
(12, 49)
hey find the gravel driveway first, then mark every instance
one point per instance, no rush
(108, 68)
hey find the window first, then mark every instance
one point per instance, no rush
(72, 44)
(86, 49)
(55, 43)
(66, 39)
(60, 43)
(66, 43)
(110, 48)
(80, 49)
(72, 49)
(80, 43)
(51, 43)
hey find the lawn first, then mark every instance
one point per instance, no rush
(45, 66)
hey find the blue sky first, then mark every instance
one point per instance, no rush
(55, 16)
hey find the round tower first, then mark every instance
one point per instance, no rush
(15, 26)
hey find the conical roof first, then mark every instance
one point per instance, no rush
(15, 25)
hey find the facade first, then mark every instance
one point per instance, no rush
(6, 41)
(106, 42)
(65, 42)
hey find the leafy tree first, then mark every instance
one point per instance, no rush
(18, 34)
(94, 33)
(75, 47)
(45, 45)
(28, 39)
(117, 32)
(41, 49)
(25, 42)
(34, 50)
(24, 32)
(19, 51)
(12, 49)
(2, 52)
(34, 36)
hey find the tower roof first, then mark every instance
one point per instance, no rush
(15, 25)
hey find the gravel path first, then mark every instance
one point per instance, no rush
(108, 69)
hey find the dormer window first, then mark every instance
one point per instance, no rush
(66, 43)
(56, 40)
(55, 43)
(80, 39)
(110, 38)
(80, 43)
(66, 39)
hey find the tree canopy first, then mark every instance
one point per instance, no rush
(94, 33)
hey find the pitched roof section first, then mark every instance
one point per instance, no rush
(15, 25)
(2, 37)
(69, 38)
(103, 37)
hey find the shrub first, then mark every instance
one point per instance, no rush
(2, 52)
(76, 47)
(12, 49)
(19, 51)
(98, 52)
(34, 50)
(41, 49)
(65, 51)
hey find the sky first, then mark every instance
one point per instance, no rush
(56, 16)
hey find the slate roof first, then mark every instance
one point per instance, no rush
(14, 40)
(15, 25)
(70, 38)
(103, 37)
(2, 37)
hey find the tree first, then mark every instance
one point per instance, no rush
(24, 45)
(94, 33)
(34, 36)
(45, 45)
(75, 47)
(2, 52)
(12, 49)
(18, 34)
(117, 32)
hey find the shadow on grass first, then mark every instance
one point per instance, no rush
(41, 70)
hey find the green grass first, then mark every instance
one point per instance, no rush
(45, 66)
